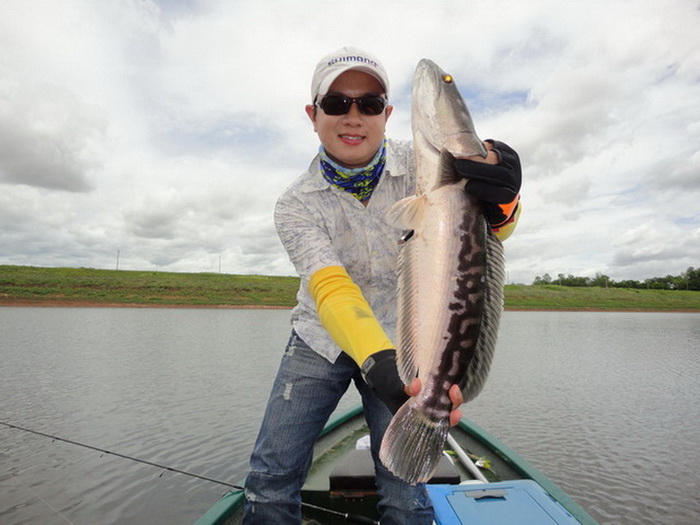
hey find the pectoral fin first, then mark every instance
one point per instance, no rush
(407, 213)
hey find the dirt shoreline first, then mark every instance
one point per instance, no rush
(93, 304)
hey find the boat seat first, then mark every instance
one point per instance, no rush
(356, 472)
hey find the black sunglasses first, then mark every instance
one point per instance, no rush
(340, 104)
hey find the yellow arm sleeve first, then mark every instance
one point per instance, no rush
(346, 315)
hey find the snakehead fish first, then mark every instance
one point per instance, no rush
(451, 274)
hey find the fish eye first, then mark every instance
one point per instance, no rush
(447, 79)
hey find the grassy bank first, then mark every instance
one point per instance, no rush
(83, 286)
(27, 284)
(554, 297)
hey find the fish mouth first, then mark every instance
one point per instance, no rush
(442, 118)
(461, 143)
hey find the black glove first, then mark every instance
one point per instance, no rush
(381, 375)
(493, 184)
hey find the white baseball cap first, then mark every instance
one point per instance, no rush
(345, 59)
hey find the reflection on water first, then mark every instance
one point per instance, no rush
(604, 403)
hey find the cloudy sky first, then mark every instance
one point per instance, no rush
(162, 131)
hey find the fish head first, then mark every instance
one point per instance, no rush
(439, 116)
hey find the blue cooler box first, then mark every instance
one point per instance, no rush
(519, 502)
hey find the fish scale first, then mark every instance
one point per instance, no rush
(451, 274)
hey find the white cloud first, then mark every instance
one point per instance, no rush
(166, 130)
(47, 137)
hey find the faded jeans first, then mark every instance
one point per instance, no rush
(305, 393)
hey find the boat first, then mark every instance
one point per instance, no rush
(480, 480)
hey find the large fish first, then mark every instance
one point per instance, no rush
(451, 274)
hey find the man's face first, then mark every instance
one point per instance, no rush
(351, 140)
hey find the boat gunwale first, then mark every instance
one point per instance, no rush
(526, 469)
(230, 502)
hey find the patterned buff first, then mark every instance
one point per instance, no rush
(360, 182)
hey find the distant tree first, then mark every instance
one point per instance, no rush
(688, 280)
(572, 280)
(691, 278)
(545, 279)
(600, 280)
(627, 284)
(660, 283)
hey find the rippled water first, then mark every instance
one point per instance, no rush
(604, 403)
(607, 405)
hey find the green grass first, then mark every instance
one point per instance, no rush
(46, 286)
(554, 297)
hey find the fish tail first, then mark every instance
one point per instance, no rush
(413, 443)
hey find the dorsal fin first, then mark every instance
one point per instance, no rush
(407, 304)
(495, 278)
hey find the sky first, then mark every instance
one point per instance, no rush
(157, 135)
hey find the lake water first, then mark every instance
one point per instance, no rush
(606, 404)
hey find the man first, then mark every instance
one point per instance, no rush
(332, 222)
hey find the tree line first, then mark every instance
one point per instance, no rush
(688, 280)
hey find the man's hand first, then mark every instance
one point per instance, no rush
(494, 180)
(456, 397)
(491, 155)
(381, 375)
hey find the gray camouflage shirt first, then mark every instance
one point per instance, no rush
(321, 225)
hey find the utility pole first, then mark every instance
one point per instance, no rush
(117, 259)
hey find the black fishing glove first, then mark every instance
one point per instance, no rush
(381, 375)
(493, 184)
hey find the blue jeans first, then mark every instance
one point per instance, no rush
(305, 393)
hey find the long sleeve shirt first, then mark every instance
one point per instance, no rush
(321, 225)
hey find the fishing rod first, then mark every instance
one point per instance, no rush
(352, 518)
(130, 458)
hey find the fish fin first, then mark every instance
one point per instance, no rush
(495, 277)
(413, 443)
(447, 174)
(407, 312)
(407, 213)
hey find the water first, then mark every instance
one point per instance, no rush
(604, 403)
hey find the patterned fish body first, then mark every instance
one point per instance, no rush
(451, 273)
